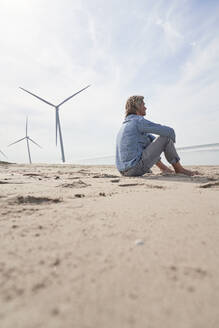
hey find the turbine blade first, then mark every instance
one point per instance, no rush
(73, 95)
(56, 126)
(16, 141)
(34, 142)
(3, 153)
(37, 97)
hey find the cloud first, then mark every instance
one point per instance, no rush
(167, 51)
(192, 103)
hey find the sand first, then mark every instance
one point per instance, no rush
(81, 246)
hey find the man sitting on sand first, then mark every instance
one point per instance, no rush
(137, 150)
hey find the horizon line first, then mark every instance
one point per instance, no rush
(177, 148)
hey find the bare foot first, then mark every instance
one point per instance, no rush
(180, 169)
(164, 168)
(167, 171)
(186, 172)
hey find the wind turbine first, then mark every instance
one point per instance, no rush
(3, 154)
(27, 140)
(57, 119)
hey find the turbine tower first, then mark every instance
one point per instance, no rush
(27, 140)
(57, 119)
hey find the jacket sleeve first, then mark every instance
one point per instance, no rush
(151, 127)
(151, 137)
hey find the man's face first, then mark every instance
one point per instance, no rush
(142, 110)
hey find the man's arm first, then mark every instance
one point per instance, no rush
(146, 126)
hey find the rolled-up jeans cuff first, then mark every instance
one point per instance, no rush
(175, 160)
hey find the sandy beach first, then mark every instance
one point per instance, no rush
(82, 246)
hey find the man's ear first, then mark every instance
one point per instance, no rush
(137, 108)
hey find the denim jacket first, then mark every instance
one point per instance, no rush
(134, 136)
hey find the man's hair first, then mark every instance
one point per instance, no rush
(133, 104)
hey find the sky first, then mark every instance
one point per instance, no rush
(167, 51)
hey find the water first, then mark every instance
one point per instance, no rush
(197, 155)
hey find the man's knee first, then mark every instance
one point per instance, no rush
(164, 140)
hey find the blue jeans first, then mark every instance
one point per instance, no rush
(151, 155)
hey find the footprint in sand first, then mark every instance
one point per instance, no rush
(210, 185)
(79, 195)
(83, 172)
(104, 175)
(32, 174)
(155, 186)
(35, 200)
(5, 182)
(141, 184)
(76, 184)
(129, 184)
